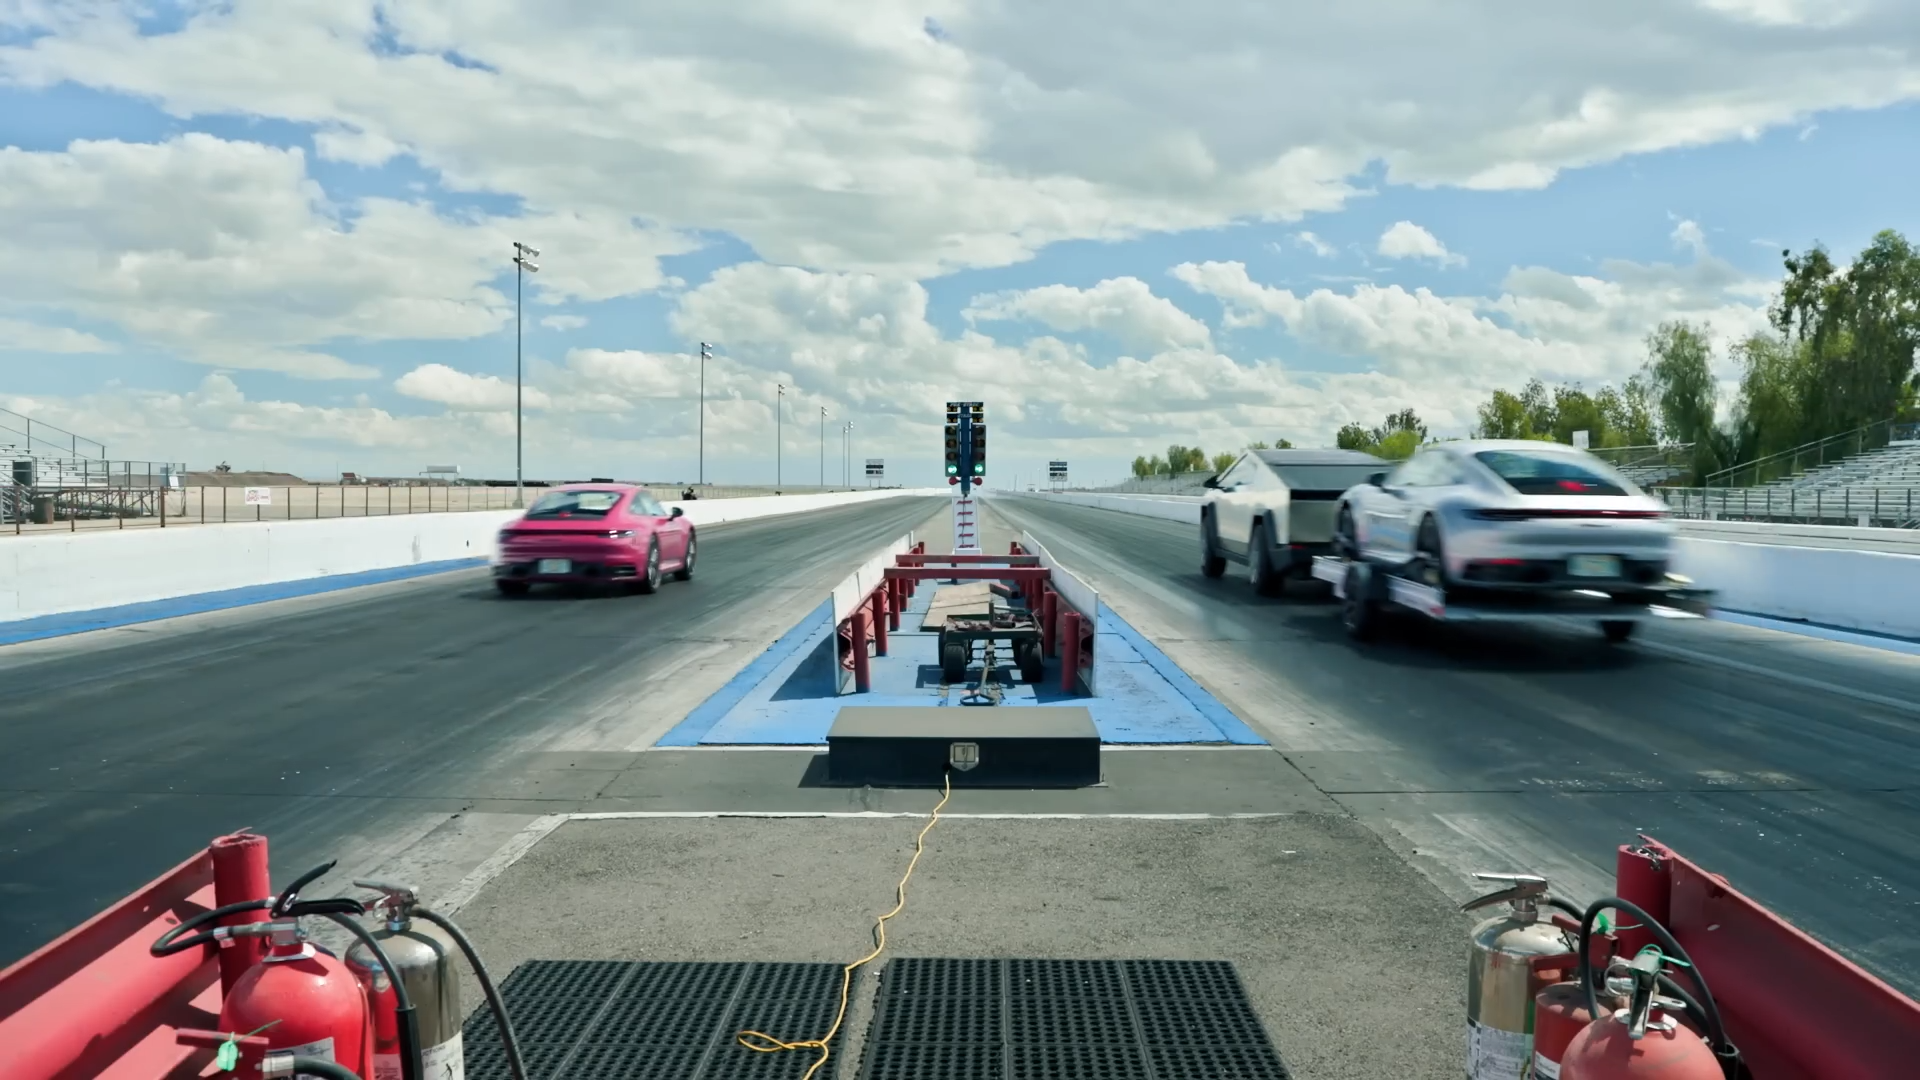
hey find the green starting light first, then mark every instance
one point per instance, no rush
(953, 470)
(979, 468)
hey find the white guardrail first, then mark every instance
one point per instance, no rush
(1802, 573)
(55, 573)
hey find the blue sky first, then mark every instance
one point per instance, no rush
(1834, 175)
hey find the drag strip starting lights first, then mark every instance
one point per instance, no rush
(966, 435)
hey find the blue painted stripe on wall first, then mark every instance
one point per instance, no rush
(80, 622)
(1232, 728)
(690, 731)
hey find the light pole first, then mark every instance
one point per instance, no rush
(823, 447)
(846, 454)
(523, 265)
(706, 353)
(779, 439)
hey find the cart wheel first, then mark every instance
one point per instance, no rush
(1032, 665)
(954, 656)
(1617, 630)
(510, 588)
(1358, 611)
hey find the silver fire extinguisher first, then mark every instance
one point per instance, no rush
(423, 957)
(1501, 979)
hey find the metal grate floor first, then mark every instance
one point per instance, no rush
(633, 1020)
(942, 1019)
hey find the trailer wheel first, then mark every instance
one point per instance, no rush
(1345, 544)
(511, 588)
(1617, 630)
(1032, 666)
(954, 656)
(1266, 582)
(1212, 563)
(1427, 548)
(1357, 610)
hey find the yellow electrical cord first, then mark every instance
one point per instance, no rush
(770, 1045)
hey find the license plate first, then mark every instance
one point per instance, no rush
(1595, 566)
(555, 566)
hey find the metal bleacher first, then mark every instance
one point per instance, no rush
(54, 474)
(1879, 487)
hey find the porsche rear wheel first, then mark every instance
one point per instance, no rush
(650, 577)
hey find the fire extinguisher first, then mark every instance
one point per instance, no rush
(1504, 975)
(422, 958)
(1645, 1037)
(300, 997)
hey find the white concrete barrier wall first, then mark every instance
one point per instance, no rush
(1876, 591)
(55, 573)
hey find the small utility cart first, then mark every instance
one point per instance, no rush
(1368, 591)
(977, 613)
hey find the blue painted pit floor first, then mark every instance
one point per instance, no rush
(788, 696)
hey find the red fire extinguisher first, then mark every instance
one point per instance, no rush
(300, 998)
(1645, 1039)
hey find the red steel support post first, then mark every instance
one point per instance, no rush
(1640, 878)
(1049, 628)
(240, 873)
(894, 604)
(1069, 651)
(881, 617)
(862, 671)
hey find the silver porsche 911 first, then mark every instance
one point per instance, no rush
(1509, 515)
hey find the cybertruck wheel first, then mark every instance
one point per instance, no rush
(685, 573)
(1265, 579)
(1617, 630)
(511, 588)
(1212, 563)
(649, 580)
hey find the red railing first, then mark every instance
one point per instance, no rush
(1797, 1009)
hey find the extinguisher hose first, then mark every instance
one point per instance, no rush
(322, 1068)
(412, 1066)
(515, 1068)
(1705, 1007)
(171, 942)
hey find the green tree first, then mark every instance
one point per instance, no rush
(1142, 467)
(1680, 378)
(1398, 445)
(1258, 446)
(1223, 462)
(1404, 420)
(1354, 437)
(1157, 465)
(1282, 444)
(1503, 416)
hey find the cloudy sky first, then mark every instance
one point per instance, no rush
(278, 232)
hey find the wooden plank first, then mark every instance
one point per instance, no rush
(972, 598)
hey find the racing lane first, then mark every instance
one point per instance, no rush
(426, 720)
(1786, 763)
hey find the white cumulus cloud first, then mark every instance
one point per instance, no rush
(1123, 308)
(1405, 240)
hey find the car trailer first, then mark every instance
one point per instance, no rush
(1368, 591)
(1019, 628)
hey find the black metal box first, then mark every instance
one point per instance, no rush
(1039, 746)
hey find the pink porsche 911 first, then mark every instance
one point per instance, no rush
(594, 534)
